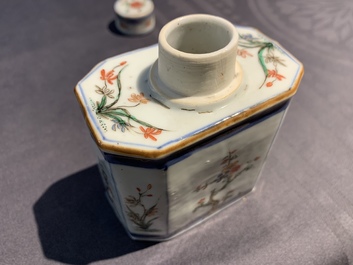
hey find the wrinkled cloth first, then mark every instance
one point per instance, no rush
(52, 203)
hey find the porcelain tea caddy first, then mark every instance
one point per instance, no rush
(182, 128)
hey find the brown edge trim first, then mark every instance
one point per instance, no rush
(158, 154)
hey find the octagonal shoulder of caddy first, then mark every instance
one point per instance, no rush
(182, 129)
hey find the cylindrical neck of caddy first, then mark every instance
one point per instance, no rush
(197, 55)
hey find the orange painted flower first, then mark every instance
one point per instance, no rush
(201, 201)
(234, 167)
(273, 73)
(136, 4)
(269, 84)
(150, 132)
(152, 211)
(109, 77)
(140, 98)
(243, 53)
(122, 63)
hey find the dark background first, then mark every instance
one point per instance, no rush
(52, 206)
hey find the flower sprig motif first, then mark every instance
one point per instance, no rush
(244, 53)
(150, 133)
(134, 5)
(265, 56)
(121, 118)
(105, 91)
(109, 76)
(138, 211)
(275, 75)
(231, 169)
(139, 98)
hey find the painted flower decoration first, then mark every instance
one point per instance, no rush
(131, 201)
(220, 190)
(138, 98)
(232, 167)
(119, 125)
(201, 187)
(137, 210)
(244, 53)
(105, 91)
(136, 4)
(150, 132)
(235, 167)
(152, 211)
(121, 118)
(247, 36)
(271, 58)
(273, 74)
(201, 201)
(109, 76)
(231, 155)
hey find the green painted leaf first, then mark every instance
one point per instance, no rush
(125, 113)
(119, 90)
(150, 222)
(102, 103)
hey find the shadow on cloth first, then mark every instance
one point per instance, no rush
(113, 29)
(76, 224)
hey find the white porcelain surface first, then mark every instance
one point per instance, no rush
(197, 55)
(174, 125)
(176, 140)
(160, 203)
(196, 62)
(211, 178)
(134, 9)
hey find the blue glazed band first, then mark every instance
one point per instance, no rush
(166, 162)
